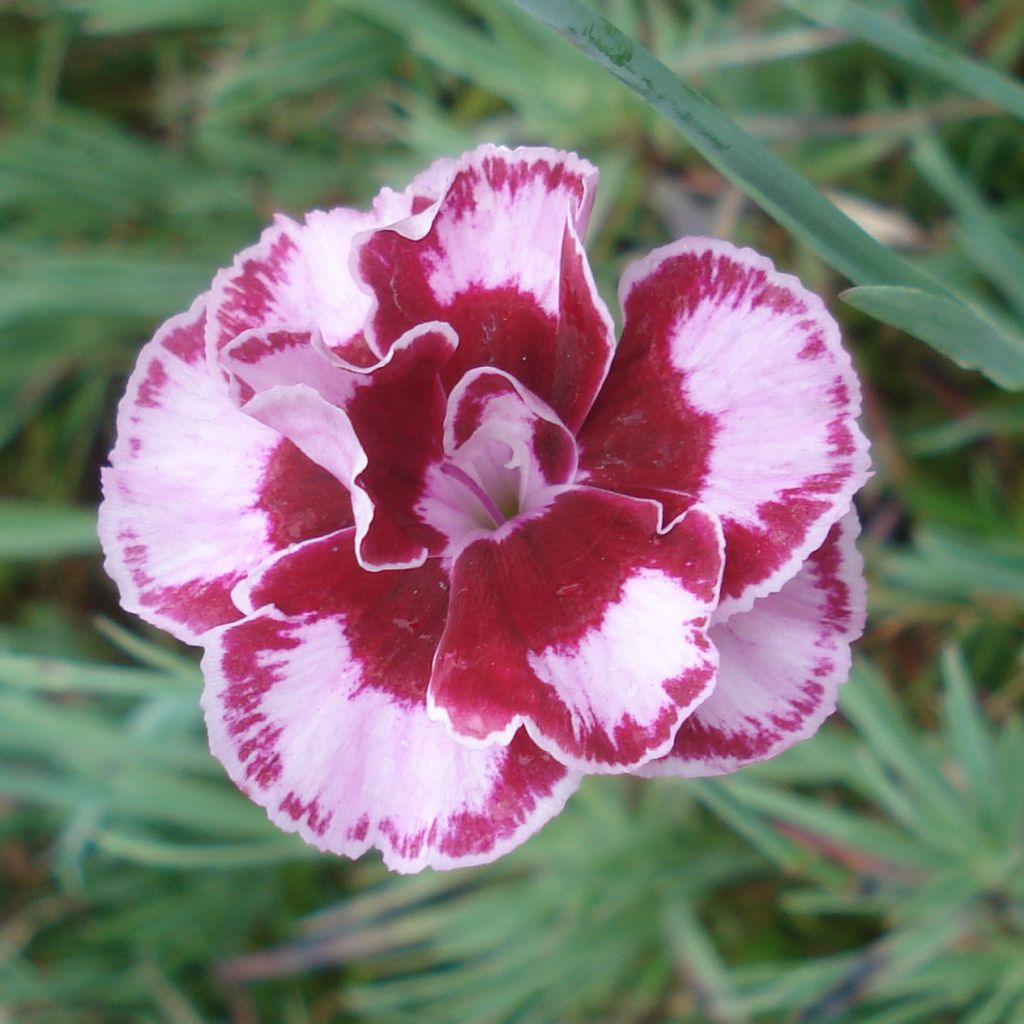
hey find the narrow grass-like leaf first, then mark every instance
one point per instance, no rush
(153, 852)
(900, 804)
(149, 653)
(124, 286)
(121, 16)
(971, 742)
(30, 531)
(32, 724)
(866, 702)
(755, 169)
(960, 333)
(892, 291)
(982, 232)
(702, 965)
(1001, 421)
(1011, 789)
(844, 830)
(778, 848)
(29, 672)
(946, 565)
(930, 55)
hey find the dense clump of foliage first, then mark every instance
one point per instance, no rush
(873, 874)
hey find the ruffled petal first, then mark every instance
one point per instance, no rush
(297, 276)
(263, 358)
(315, 703)
(380, 443)
(198, 493)
(586, 625)
(781, 665)
(730, 388)
(499, 259)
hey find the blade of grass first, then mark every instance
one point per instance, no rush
(793, 201)
(201, 857)
(27, 672)
(981, 231)
(970, 739)
(30, 531)
(959, 332)
(903, 42)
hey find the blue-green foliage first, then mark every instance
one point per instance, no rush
(871, 875)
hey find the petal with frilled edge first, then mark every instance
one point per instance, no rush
(297, 276)
(585, 624)
(198, 493)
(780, 665)
(266, 357)
(730, 387)
(380, 443)
(499, 258)
(315, 704)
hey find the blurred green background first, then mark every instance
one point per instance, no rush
(874, 874)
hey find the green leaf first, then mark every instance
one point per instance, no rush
(971, 742)
(947, 324)
(702, 965)
(201, 857)
(982, 232)
(867, 703)
(28, 672)
(793, 201)
(947, 565)
(30, 531)
(903, 42)
(894, 290)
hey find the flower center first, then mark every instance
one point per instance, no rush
(488, 484)
(476, 491)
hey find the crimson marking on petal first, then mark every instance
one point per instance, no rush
(249, 290)
(743, 370)
(355, 351)
(393, 619)
(317, 820)
(585, 624)
(151, 386)
(337, 659)
(263, 762)
(254, 346)
(499, 260)
(491, 402)
(192, 499)
(301, 500)
(185, 342)
(505, 450)
(398, 417)
(781, 664)
(197, 605)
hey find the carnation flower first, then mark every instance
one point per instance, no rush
(448, 547)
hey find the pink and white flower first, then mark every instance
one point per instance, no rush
(448, 547)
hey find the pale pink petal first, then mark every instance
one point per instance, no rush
(499, 259)
(297, 276)
(198, 493)
(316, 706)
(266, 357)
(781, 665)
(379, 443)
(730, 388)
(585, 624)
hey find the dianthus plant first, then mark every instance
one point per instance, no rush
(448, 546)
